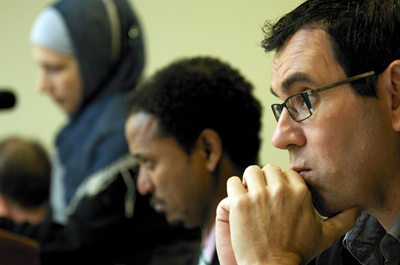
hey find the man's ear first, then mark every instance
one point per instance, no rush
(395, 91)
(211, 144)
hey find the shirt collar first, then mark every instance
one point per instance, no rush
(390, 245)
(208, 245)
(363, 240)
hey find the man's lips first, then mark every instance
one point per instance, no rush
(301, 170)
(158, 204)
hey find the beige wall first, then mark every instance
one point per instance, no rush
(228, 29)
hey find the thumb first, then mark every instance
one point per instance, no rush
(223, 234)
(340, 224)
(223, 210)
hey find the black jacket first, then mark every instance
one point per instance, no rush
(335, 255)
(100, 233)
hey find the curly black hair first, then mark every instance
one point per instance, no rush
(194, 94)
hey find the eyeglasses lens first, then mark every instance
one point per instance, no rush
(297, 107)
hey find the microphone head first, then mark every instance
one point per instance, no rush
(7, 99)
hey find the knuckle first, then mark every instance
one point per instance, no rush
(232, 180)
(271, 166)
(250, 170)
(303, 190)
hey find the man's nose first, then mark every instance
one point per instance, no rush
(144, 184)
(288, 132)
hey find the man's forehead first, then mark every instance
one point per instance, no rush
(141, 127)
(307, 54)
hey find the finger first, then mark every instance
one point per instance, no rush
(294, 177)
(273, 175)
(253, 178)
(234, 187)
(335, 227)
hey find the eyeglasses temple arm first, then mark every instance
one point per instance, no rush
(345, 81)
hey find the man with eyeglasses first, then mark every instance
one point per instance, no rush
(337, 70)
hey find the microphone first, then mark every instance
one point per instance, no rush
(7, 99)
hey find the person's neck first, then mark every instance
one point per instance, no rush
(389, 208)
(225, 171)
(387, 215)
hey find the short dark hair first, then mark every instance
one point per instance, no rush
(24, 172)
(194, 94)
(364, 34)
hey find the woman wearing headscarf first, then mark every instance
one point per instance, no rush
(91, 56)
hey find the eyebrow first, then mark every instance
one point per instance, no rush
(287, 84)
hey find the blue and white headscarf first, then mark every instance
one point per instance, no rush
(106, 39)
(50, 31)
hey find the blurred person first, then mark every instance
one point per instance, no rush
(191, 126)
(91, 54)
(24, 180)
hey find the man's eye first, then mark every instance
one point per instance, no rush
(53, 69)
(302, 102)
(149, 164)
(297, 103)
(291, 109)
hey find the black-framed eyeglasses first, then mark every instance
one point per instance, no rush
(299, 105)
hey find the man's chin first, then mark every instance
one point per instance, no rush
(323, 213)
(176, 223)
(172, 222)
(321, 208)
